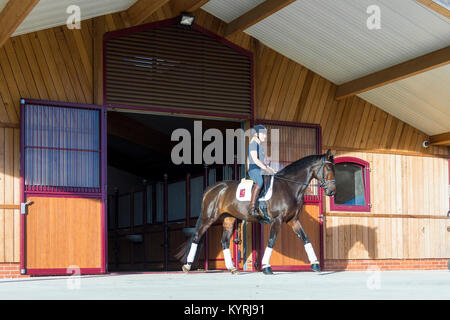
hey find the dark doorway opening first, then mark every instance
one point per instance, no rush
(151, 200)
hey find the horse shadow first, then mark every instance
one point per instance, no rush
(349, 245)
(345, 247)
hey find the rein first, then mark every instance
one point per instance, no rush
(321, 185)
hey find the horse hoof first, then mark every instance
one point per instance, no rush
(234, 271)
(315, 267)
(186, 268)
(267, 270)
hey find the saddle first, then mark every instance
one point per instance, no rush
(244, 191)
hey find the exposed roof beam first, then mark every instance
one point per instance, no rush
(255, 15)
(442, 139)
(398, 72)
(143, 9)
(435, 7)
(12, 16)
(179, 6)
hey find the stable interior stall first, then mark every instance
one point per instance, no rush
(153, 202)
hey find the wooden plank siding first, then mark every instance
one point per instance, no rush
(62, 65)
(400, 185)
(9, 195)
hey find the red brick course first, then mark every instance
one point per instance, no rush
(10, 270)
(386, 264)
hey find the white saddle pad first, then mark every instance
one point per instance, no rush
(244, 190)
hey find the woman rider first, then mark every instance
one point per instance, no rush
(256, 160)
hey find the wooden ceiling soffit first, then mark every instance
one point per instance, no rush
(180, 6)
(435, 7)
(398, 72)
(12, 16)
(143, 9)
(442, 139)
(255, 15)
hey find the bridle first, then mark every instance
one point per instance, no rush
(323, 182)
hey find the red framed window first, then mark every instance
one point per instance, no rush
(352, 185)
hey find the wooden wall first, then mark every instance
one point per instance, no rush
(9, 195)
(65, 65)
(408, 215)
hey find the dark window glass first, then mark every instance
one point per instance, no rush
(349, 184)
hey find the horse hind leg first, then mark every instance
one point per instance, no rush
(228, 227)
(201, 228)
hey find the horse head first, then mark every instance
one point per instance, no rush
(323, 171)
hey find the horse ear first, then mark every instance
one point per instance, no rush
(328, 154)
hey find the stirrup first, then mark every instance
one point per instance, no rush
(255, 212)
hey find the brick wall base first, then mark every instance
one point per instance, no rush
(386, 264)
(10, 270)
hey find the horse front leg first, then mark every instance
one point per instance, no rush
(274, 229)
(298, 229)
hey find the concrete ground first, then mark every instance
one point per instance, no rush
(224, 286)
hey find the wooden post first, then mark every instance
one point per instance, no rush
(166, 223)
(99, 29)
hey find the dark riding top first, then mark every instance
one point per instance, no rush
(254, 171)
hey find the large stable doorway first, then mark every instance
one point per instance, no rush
(153, 202)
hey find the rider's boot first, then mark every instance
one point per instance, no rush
(252, 209)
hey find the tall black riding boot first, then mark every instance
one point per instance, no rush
(255, 193)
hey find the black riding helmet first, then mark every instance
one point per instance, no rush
(260, 128)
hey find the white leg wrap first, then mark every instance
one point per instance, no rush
(192, 252)
(266, 258)
(311, 255)
(228, 261)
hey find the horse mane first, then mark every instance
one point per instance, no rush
(300, 164)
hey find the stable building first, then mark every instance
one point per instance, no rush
(87, 112)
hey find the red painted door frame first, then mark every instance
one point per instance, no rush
(63, 194)
(318, 202)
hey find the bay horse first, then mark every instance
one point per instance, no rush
(285, 205)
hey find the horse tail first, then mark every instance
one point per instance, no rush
(183, 249)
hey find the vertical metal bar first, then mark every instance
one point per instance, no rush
(188, 200)
(144, 203)
(154, 206)
(206, 236)
(321, 205)
(116, 209)
(132, 226)
(132, 211)
(144, 220)
(236, 224)
(116, 226)
(166, 223)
